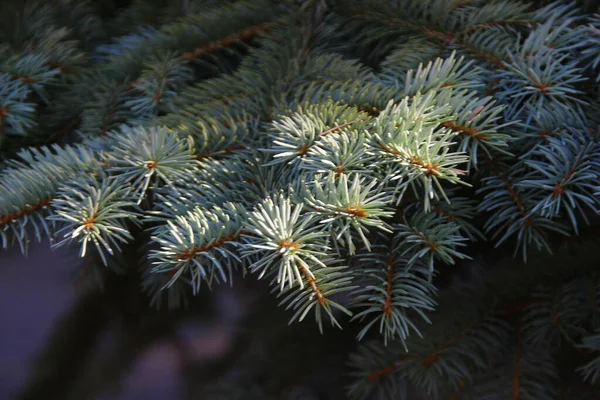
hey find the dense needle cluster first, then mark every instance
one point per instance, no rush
(359, 155)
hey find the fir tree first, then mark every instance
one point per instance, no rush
(372, 161)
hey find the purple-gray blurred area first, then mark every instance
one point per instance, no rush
(38, 290)
(34, 290)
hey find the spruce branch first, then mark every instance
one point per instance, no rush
(557, 11)
(460, 211)
(409, 138)
(156, 86)
(565, 171)
(322, 284)
(479, 123)
(591, 370)
(430, 237)
(33, 70)
(105, 110)
(237, 37)
(342, 153)
(442, 364)
(330, 147)
(16, 114)
(60, 50)
(219, 137)
(347, 206)
(95, 211)
(497, 14)
(142, 155)
(592, 44)
(293, 136)
(200, 243)
(512, 216)
(288, 242)
(31, 182)
(564, 37)
(441, 73)
(555, 318)
(410, 55)
(394, 290)
(545, 78)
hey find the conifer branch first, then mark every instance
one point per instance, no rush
(350, 153)
(245, 34)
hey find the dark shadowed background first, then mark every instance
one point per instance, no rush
(38, 290)
(61, 337)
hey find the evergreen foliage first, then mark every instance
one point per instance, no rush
(359, 155)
